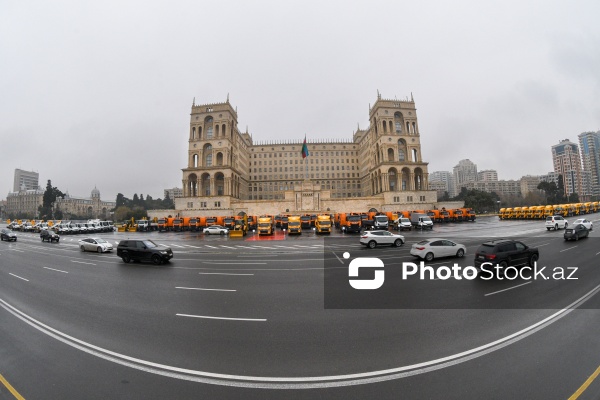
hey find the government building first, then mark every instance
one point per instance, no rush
(379, 167)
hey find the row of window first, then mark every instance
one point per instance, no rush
(409, 199)
(321, 175)
(312, 154)
(310, 161)
(296, 169)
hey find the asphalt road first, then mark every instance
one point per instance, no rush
(245, 318)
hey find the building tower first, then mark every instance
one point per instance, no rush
(26, 180)
(464, 172)
(217, 153)
(566, 161)
(390, 150)
(589, 143)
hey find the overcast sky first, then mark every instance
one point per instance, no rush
(99, 93)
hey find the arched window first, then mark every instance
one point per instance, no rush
(414, 127)
(390, 155)
(219, 158)
(208, 155)
(195, 160)
(223, 132)
(384, 127)
(398, 122)
(408, 127)
(208, 123)
(391, 127)
(401, 156)
(193, 132)
(414, 154)
(199, 132)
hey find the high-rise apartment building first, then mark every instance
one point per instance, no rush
(464, 172)
(26, 180)
(445, 177)
(487, 175)
(566, 161)
(589, 144)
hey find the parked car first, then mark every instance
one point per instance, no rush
(505, 253)
(216, 230)
(576, 231)
(48, 235)
(8, 235)
(143, 250)
(556, 222)
(434, 248)
(402, 223)
(373, 239)
(95, 244)
(587, 223)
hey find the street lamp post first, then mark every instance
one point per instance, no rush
(498, 202)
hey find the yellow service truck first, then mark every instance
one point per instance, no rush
(265, 225)
(323, 224)
(294, 225)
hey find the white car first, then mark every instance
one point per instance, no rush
(216, 230)
(402, 223)
(372, 239)
(434, 248)
(587, 223)
(556, 222)
(95, 244)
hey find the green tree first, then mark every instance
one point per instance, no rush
(50, 195)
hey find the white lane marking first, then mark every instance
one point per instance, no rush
(258, 255)
(18, 251)
(568, 249)
(176, 245)
(232, 263)
(339, 259)
(307, 382)
(223, 318)
(212, 247)
(221, 273)
(512, 287)
(195, 247)
(17, 276)
(57, 270)
(229, 247)
(216, 290)
(81, 262)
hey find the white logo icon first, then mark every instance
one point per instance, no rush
(365, 262)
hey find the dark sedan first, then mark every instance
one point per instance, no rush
(8, 235)
(575, 232)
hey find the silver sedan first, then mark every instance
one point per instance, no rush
(95, 244)
(216, 230)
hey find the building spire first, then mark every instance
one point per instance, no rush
(194, 101)
(411, 97)
(378, 95)
(228, 97)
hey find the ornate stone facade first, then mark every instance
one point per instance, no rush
(380, 167)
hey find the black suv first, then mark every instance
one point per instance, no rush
(143, 249)
(505, 253)
(50, 236)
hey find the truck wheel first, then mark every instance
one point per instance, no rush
(398, 242)
(156, 259)
(372, 244)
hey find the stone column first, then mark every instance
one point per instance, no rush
(411, 181)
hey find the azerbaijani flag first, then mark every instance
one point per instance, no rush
(304, 148)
